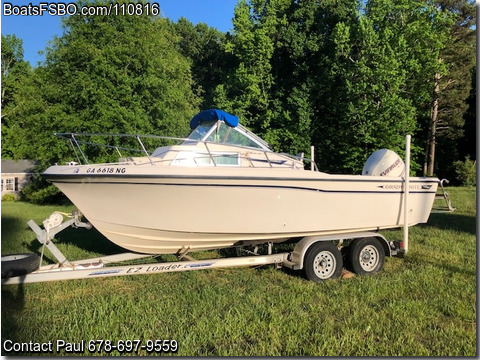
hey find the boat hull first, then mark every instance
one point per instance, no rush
(159, 210)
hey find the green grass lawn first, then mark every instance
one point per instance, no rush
(421, 305)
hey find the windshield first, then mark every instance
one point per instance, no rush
(201, 130)
(219, 132)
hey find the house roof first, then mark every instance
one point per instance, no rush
(17, 166)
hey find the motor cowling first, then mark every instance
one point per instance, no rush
(384, 162)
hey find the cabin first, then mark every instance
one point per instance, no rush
(16, 174)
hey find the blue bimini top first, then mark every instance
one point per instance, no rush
(213, 115)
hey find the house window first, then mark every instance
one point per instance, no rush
(11, 184)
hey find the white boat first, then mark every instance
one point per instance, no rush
(223, 186)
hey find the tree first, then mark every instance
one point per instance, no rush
(386, 60)
(279, 48)
(347, 76)
(13, 67)
(15, 72)
(467, 144)
(452, 88)
(204, 47)
(370, 63)
(108, 74)
(250, 82)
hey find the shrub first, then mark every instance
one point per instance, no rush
(39, 191)
(47, 195)
(466, 171)
(9, 197)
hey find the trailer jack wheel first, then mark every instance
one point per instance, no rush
(366, 256)
(323, 261)
(19, 264)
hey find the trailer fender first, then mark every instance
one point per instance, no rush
(297, 256)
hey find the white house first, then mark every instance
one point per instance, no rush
(15, 175)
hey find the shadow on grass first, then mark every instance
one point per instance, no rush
(86, 239)
(13, 297)
(10, 226)
(420, 260)
(453, 221)
(13, 303)
(449, 222)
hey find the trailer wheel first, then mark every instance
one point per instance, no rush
(323, 261)
(19, 264)
(366, 256)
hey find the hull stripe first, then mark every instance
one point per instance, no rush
(246, 186)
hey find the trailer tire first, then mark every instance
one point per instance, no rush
(19, 264)
(366, 256)
(323, 261)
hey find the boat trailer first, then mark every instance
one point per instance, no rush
(317, 256)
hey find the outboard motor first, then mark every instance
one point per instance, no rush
(384, 162)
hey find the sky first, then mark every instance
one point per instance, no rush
(37, 31)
